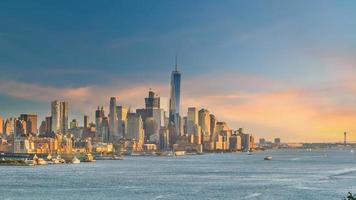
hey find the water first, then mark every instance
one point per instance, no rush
(292, 174)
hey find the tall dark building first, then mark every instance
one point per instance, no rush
(31, 123)
(174, 102)
(86, 121)
(152, 101)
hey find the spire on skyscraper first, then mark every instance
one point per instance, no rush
(176, 65)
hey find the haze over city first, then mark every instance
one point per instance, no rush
(286, 71)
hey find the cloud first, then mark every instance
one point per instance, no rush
(264, 107)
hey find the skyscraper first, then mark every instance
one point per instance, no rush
(56, 119)
(113, 121)
(59, 114)
(204, 123)
(64, 117)
(134, 128)
(121, 117)
(86, 121)
(174, 104)
(175, 92)
(99, 116)
(31, 123)
(192, 120)
(9, 126)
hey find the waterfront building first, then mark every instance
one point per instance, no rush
(45, 145)
(235, 143)
(23, 145)
(245, 142)
(277, 140)
(113, 121)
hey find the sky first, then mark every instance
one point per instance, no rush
(276, 68)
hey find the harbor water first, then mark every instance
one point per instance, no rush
(291, 174)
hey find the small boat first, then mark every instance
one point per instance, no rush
(268, 158)
(39, 161)
(75, 160)
(88, 158)
(58, 160)
(117, 157)
(352, 151)
(179, 153)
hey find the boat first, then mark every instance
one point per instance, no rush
(58, 160)
(88, 158)
(117, 157)
(41, 161)
(50, 159)
(75, 160)
(179, 153)
(268, 158)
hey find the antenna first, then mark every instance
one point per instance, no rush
(176, 64)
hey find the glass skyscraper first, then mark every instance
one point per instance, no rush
(174, 105)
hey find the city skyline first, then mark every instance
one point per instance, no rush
(289, 74)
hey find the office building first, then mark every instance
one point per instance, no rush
(134, 128)
(59, 114)
(121, 117)
(204, 123)
(113, 121)
(174, 102)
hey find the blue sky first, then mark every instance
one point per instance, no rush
(255, 47)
